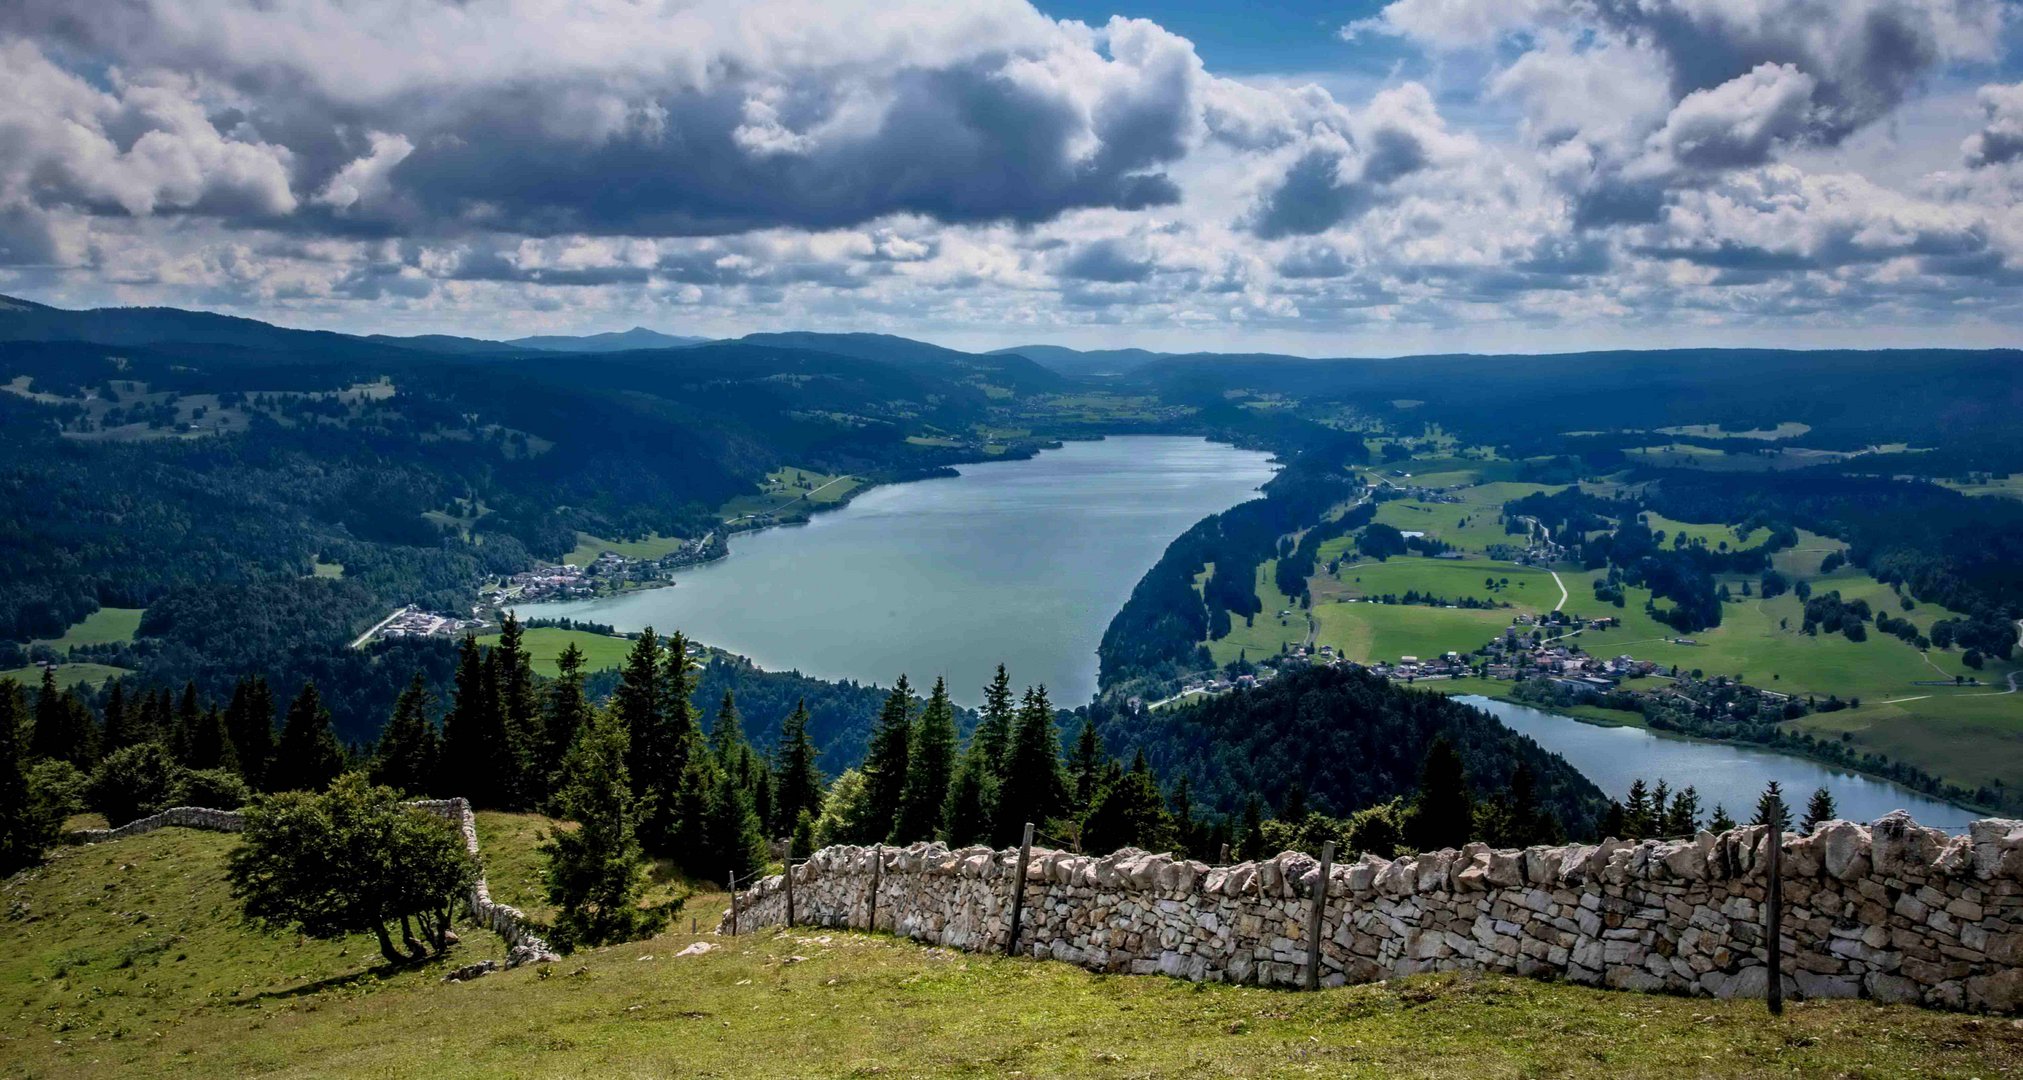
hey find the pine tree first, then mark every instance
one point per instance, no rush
(519, 716)
(1033, 787)
(799, 787)
(730, 832)
(24, 835)
(1818, 810)
(992, 738)
(1443, 813)
(477, 759)
(1128, 812)
(885, 759)
(1250, 845)
(636, 706)
(930, 765)
(1085, 768)
(727, 731)
(249, 720)
(207, 745)
(653, 702)
(1187, 832)
(306, 757)
(1683, 819)
(1516, 818)
(597, 870)
(972, 800)
(64, 730)
(1770, 808)
(568, 710)
(183, 733)
(119, 725)
(408, 747)
(1661, 807)
(1719, 821)
(158, 719)
(1293, 810)
(1637, 811)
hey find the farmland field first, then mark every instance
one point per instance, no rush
(545, 643)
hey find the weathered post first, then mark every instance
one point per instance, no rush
(734, 903)
(877, 872)
(1773, 916)
(1314, 916)
(789, 841)
(1018, 896)
(1223, 859)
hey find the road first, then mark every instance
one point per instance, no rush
(376, 627)
(1561, 606)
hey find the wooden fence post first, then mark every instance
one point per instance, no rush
(790, 880)
(1773, 917)
(1314, 916)
(1018, 896)
(1223, 859)
(734, 903)
(877, 872)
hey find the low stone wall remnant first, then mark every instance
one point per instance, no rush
(1894, 911)
(523, 942)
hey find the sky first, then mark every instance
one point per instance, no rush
(1354, 178)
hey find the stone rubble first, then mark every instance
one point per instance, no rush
(1894, 911)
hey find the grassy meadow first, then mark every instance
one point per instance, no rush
(544, 644)
(652, 546)
(106, 626)
(129, 959)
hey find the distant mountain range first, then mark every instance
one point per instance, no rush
(639, 337)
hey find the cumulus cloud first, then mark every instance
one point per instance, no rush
(2000, 140)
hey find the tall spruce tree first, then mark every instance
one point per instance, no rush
(1443, 813)
(653, 702)
(306, 757)
(567, 711)
(64, 728)
(970, 815)
(519, 715)
(727, 731)
(1033, 787)
(208, 745)
(885, 760)
(118, 731)
(930, 764)
(1818, 810)
(597, 870)
(730, 832)
(478, 760)
(249, 719)
(1128, 811)
(992, 738)
(24, 834)
(798, 789)
(408, 746)
(1770, 808)
(1719, 821)
(183, 732)
(1683, 819)
(1085, 768)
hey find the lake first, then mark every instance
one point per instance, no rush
(1722, 773)
(1019, 562)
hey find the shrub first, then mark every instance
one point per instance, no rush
(134, 782)
(219, 789)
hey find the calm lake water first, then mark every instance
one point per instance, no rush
(1019, 562)
(1733, 776)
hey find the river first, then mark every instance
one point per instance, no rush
(1722, 773)
(1019, 562)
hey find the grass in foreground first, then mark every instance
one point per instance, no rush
(92, 989)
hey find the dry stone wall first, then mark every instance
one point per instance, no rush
(1892, 911)
(521, 934)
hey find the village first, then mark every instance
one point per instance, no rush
(607, 574)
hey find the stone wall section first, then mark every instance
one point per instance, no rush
(1894, 911)
(523, 941)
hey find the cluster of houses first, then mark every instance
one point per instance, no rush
(414, 622)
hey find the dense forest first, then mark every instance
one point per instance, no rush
(1343, 739)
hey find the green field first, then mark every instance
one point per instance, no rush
(1372, 632)
(106, 626)
(653, 546)
(129, 959)
(1968, 737)
(1268, 634)
(67, 675)
(2010, 486)
(545, 643)
(322, 569)
(791, 492)
(1712, 535)
(1530, 589)
(1480, 508)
